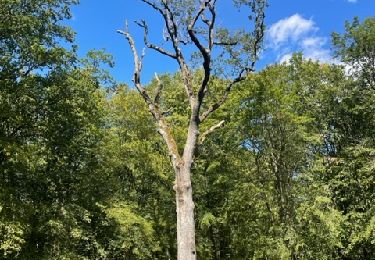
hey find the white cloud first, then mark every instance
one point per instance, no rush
(313, 48)
(313, 42)
(285, 58)
(318, 54)
(352, 1)
(297, 34)
(292, 27)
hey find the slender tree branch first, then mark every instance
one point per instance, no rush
(211, 25)
(137, 62)
(163, 127)
(185, 42)
(172, 22)
(191, 30)
(210, 130)
(153, 5)
(221, 101)
(258, 35)
(143, 24)
(220, 43)
(168, 18)
(158, 90)
(172, 31)
(206, 52)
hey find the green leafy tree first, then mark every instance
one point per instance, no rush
(29, 33)
(352, 144)
(356, 49)
(52, 141)
(269, 198)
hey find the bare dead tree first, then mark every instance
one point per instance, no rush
(194, 22)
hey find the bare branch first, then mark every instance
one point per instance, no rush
(205, 20)
(201, 10)
(184, 42)
(221, 101)
(158, 90)
(137, 73)
(259, 35)
(220, 43)
(191, 30)
(153, 5)
(172, 31)
(168, 19)
(211, 25)
(172, 25)
(143, 24)
(210, 130)
(163, 127)
(206, 52)
(137, 60)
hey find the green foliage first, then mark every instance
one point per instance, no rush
(53, 152)
(356, 48)
(85, 175)
(12, 238)
(135, 236)
(30, 32)
(140, 164)
(279, 192)
(351, 174)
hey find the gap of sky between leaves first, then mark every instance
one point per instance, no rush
(303, 25)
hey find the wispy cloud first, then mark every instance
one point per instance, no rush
(314, 48)
(290, 28)
(352, 1)
(297, 34)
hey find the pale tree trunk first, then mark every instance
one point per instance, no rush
(184, 193)
(182, 164)
(185, 216)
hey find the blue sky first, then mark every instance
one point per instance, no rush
(292, 25)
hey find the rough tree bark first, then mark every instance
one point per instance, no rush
(205, 16)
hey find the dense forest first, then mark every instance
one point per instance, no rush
(84, 174)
